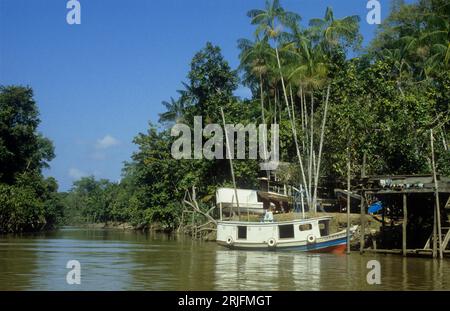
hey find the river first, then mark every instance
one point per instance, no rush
(127, 260)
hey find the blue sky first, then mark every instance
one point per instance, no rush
(98, 84)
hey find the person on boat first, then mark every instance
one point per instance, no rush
(268, 216)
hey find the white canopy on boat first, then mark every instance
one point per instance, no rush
(247, 198)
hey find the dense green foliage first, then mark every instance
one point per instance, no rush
(28, 201)
(382, 105)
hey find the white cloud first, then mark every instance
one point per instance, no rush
(76, 173)
(107, 142)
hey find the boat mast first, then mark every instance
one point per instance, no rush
(231, 163)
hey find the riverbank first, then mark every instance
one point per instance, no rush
(338, 223)
(109, 225)
(153, 227)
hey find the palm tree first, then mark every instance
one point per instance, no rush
(269, 23)
(174, 113)
(438, 41)
(271, 20)
(308, 68)
(399, 57)
(303, 69)
(302, 60)
(420, 48)
(256, 60)
(333, 33)
(329, 35)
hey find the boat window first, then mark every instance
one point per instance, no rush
(305, 227)
(242, 233)
(286, 231)
(324, 227)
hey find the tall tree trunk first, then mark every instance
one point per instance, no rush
(301, 108)
(294, 132)
(231, 163)
(306, 133)
(292, 103)
(262, 98)
(311, 144)
(303, 118)
(275, 107)
(349, 170)
(322, 131)
(269, 105)
(444, 141)
(292, 108)
(263, 122)
(437, 219)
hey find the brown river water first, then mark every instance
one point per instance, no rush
(127, 260)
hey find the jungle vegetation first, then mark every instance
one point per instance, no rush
(332, 99)
(28, 201)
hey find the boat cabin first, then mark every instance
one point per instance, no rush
(253, 234)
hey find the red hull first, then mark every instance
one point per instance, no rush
(338, 249)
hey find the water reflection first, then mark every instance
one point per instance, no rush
(253, 270)
(121, 260)
(248, 270)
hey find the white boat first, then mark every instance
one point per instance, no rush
(248, 201)
(310, 235)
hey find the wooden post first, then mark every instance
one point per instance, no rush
(405, 222)
(363, 224)
(182, 221)
(434, 234)
(383, 221)
(192, 224)
(436, 191)
(231, 163)
(348, 203)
